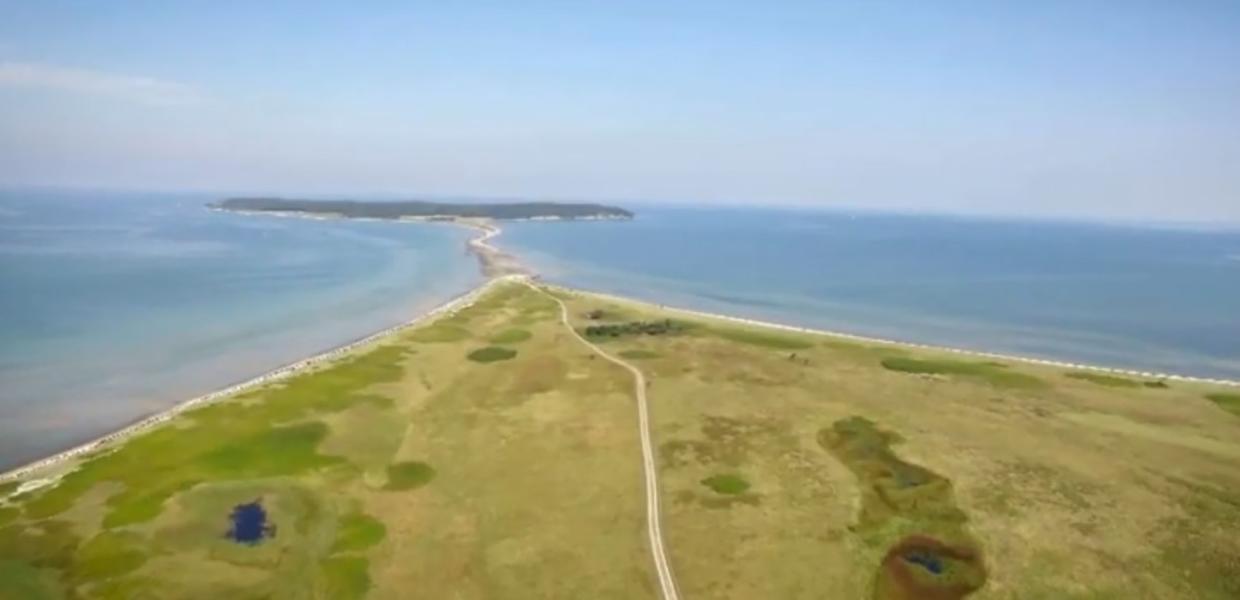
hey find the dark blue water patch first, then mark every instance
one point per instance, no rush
(925, 560)
(249, 524)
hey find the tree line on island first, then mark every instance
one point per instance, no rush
(426, 209)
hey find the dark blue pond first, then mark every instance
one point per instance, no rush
(249, 523)
(926, 560)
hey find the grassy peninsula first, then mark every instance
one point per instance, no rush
(491, 454)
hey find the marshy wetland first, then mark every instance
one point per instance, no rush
(490, 455)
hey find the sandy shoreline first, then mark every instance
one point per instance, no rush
(904, 344)
(113, 438)
(502, 267)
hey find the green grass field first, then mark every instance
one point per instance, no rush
(492, 455)
(1227, 401)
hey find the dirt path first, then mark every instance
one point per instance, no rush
(667, 584)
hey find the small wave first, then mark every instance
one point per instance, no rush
(733, 299)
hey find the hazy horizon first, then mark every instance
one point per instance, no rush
(1054, 111)
(639, 205)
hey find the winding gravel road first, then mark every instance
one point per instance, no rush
(667, 583)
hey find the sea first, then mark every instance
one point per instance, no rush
(116, 305)
(1150, 297)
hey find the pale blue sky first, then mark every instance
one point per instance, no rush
(1094, 109)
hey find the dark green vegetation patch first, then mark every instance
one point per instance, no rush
(18, 580)
(48, 544)
(1227, 401)
(511, 336)
(726, 483)
(491, 354)
(634, 328)
(409, 475)
(992, 372)
(767, 339)
(946, 565)
(608, 313)
(639, 354)
(358, 531)
(1103, 379)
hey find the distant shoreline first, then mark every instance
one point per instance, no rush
(430, 210)
(502, 267)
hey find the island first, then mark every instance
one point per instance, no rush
(425, 210)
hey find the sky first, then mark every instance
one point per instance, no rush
(1079, 109)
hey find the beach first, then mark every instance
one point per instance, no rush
(501, 267)
(905, 344)
(497, 265)
(104, 442)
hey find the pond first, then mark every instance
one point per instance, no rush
(249, 523)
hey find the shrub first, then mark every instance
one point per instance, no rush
(726, 483)
(491, 354)
(409, 475)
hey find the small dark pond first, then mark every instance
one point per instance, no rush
(926, 560)
(249, 523)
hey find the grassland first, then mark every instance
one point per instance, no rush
(491, 455)
(997, 374)
(1227, 401)
(868, 462)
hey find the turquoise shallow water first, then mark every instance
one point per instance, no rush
(114, 306)
(1147, 298)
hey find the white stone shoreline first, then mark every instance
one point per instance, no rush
(482, 244)
(1151, 375)
(110, 440)
(107, 441)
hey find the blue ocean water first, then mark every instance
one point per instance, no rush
(114, 306)
(1147, 298)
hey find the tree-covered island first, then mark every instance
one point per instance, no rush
(420, 209)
